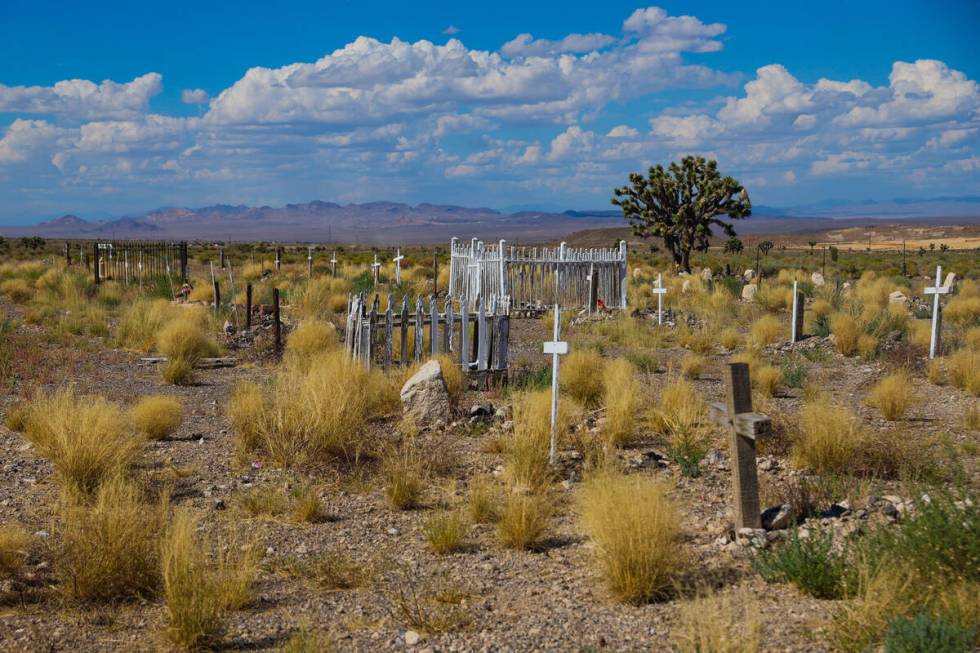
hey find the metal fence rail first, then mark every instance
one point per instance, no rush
(538, 277)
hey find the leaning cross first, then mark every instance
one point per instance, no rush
(660, 291)
(937, 318)
(745, 428)
(796, 329)
(398, 266)
(556, 348)
(374, 268)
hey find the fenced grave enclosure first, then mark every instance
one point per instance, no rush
(534, 279)
(401, 335)
(131, 261)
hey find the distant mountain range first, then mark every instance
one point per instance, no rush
(390, 223)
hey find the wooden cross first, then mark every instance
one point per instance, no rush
(309, 262)
(374, 268)
(745, 428)
(660, 291)
(398, 266)
(333, 264)
(278, 261)
(556, 348)
(937, 319)
(796, 329)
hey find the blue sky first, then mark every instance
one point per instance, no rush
(109, 108)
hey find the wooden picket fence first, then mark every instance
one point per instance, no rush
(132, 261)
(537, 278)
(477, 339)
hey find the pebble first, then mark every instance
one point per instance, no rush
(393, 531)
(412, 638)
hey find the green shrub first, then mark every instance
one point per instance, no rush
(811, 564)
(926, 633)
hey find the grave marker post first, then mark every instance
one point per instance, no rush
(745, 427)
(333, 265)
(398, 266)
(309, 262)
(935, 345)
(796, 330)
(556, 348)
(660, 291)
(375, 267)
(277, 324)
(248, 306)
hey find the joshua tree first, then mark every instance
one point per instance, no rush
(734, 246)
(763, 249)
(812, 244)
(681, 204)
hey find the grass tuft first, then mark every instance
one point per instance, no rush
(892, 396)
(581, 378)
(727, 622)
(523, 521)
(621, 396)
(444, 531)
(157, 416)
(14, 544)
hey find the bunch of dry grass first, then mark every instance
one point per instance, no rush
(452, 374)
(201, 291)
(726, 622)
(184, 342)
(892, 396)
(692, 365)
(109, 550)
(528, 446)
(766, 379)
(679, 407)
(313, 413)
(17, 290)
(767, 330)
(636, 531)
(404, 477)
(730, 338)
(846, 332)
(580, 377)
(621, 396)
(830, 436)
(920, 333)
(318, 299)
(14, 544)
(444, 531)
(482, 500)
(963, 310)
(87, 439)
(306, 506)
(964, 370)
(310, 338)
(157, 416)
(523, 520)
(194, 615)
(867, 346)
(935, 372)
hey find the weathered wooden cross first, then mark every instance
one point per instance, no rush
(556, 348)
(937, 317)
(660, 291)
(374, 269)
(745, 428)
(796, 328)
(333, 264)
(398, 266)
(278, 260)
(309, 262)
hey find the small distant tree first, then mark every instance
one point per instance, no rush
(680, 204)
(763, 249)
(812, 244)
(734, 246)
(932, 247)
(834, 253)
(943, 247)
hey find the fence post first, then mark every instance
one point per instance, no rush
(622, 274)
(453, 265)
(433, 326)
(435, 274)
(277, 327)
(403, 349)
(95, 258)
(503, 269)
(67, 253)
(248, 306)
(183, 262)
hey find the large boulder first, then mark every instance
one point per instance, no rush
(748, 291)
(817, 279)
(424, 396)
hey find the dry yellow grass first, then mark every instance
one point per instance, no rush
(581, 377)
(724, 622)
(964, 370)
(679, 407)
(311, 414)
(14, 544)
(17, 290)
(141, 321)
(452, 374)
(527, 447)
(404, 477)
(157, 416)
(636, 531)
(621, 397)
(820, 308)
(482, 500)
(184, 342)
(962, 310)
(194, 613)
(201, 291)
(830, 436)
(892, 396)
(767, 330)
(692, 365)
(730, 338)
(935, 372)
(867, 346)
(87, 439)
(444, 531)
(971, 340)
(310, 338)
(523, 520)
(846, 332)
(109, 550)
(920, 332)
(766, 379)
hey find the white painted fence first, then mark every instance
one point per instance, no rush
(537, 277)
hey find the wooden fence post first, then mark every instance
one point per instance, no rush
(277, 326)
(797, 326)
(95, 258)
(248, 306)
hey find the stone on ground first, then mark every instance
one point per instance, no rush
(748, 275)
(898, 297)
(817, 279)
(748, 291)
(777, 517)
(424, 396)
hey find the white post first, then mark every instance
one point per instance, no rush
(398, 266)
(660, 291)
(793, 334)
(453, 266)
(556, 348)
(936, 307)
(622, 273)
(333, 264)
(374, 268)
(503, 270)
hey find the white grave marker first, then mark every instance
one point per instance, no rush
(398, 266)
(556, 348)
(333, 264)
(374, 268)
(660, 291)
(936, 308)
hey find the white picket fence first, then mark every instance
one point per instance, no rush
(524, 278)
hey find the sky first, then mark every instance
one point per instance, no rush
(114, 108)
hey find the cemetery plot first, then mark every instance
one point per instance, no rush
(780, 470)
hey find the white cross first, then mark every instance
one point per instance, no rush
(398, 266)
(936, 292)
(374, 267)
(660, 291)
(556, 348)
(796, 307)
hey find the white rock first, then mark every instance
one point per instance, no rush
(686, 286)
(748, 275)
(424, 396)
(898, 297)
(748, 291)
(706, 274)
(412, 638)
(817, 279)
